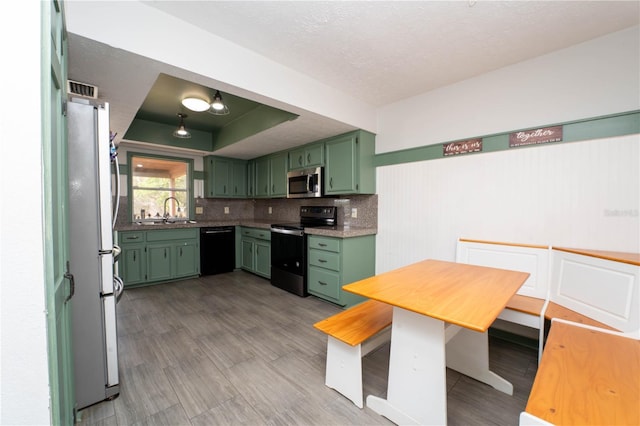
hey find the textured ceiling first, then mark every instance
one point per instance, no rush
(375, 51)
(384, 51)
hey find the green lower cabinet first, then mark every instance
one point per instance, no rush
(256, 251)
(335, 262)
(159, 262)
(132, 263)
(187, 255)
(150, 257)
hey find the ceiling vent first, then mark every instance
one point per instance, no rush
(82, 89)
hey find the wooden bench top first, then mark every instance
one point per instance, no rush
(587, 377)
(616, 256)
(356, 324)
(555, 310)
(526, 304)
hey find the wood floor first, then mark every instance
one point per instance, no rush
(232, 349)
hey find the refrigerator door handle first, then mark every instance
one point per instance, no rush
(118, 286)
(72, 283)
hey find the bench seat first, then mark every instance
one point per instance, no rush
(526, 304)
(555, 310)
(586, 377)
(351, 334)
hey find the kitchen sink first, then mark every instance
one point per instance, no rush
(165, 222)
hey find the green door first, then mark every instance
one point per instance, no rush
(340, 173)
(263, 258)
(132, 264)
(159, 262)
(278, 175)
(247, 255)
(221, 173)
(58, 289)
(262, 177)
(187, 259)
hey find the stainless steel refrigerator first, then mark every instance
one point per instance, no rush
(91, 158)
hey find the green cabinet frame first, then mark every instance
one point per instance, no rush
(349, 165)
(256, 251)
(224, 177)
(154, 256)
(334, 262)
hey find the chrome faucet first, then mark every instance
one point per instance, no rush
(166, 215)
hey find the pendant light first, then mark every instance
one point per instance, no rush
(218, 106)
(182, 132)
(196, 104)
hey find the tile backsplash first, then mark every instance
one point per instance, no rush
(282, 210)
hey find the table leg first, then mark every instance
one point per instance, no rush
(417, 388)
(468, 353)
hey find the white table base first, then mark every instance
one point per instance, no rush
(417, 387)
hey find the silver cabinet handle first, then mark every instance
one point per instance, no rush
(322, 283)
(322, 261)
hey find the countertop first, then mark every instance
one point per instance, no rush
(328, 231)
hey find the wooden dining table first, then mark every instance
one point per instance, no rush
(441, 314)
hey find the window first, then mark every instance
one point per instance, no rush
(159, 187)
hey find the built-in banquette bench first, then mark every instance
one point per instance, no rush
(589, 371)
(587, 376)
(591, 287)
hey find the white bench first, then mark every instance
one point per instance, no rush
(528, 305)
(352, 334)
(589, 374)
(585, 286)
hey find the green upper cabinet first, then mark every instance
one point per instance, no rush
(251, 178)
(349, 165)
(307, 156)
(225, 177)
(270, 174)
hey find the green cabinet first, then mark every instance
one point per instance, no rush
(335, 262)
(270, 173)
(307, 156)
(225, 177)
(132, 260)
(256, 250)
(158, 255)
(349, 167)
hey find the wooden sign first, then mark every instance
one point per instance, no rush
(535, 136)
(462, 147)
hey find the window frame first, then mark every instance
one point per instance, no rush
(131, 167)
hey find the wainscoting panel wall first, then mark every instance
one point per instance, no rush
(582, 194)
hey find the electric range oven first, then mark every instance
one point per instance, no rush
(289, 248)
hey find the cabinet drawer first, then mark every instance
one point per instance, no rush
(324, 282)
(324, 259)
(261, 234)
(173, 234)
(131, 237)
(324, 243)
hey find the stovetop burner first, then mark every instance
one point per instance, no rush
(311, 217)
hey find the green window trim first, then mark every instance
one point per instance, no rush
(129, 173)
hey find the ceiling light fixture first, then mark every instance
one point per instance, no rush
(196, 104)
(218, 106)
(182, 132)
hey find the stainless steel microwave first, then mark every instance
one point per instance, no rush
(305, 183)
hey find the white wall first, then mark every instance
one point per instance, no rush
(24, 384)
(582, 194)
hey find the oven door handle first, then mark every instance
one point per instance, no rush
(297, 232)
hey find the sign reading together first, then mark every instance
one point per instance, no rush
(535, 136)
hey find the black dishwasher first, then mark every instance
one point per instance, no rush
(217, 250)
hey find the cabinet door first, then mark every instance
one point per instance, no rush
(209, 178)
(314, 155)
(251, 179)
(221, 173)
(341, 166)
(297, 159)
(132, 264)
(263, 258)
(262, 177)
(239, 179)
(159, 262)
(247, 255)
(187, 257)
(278, 175)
